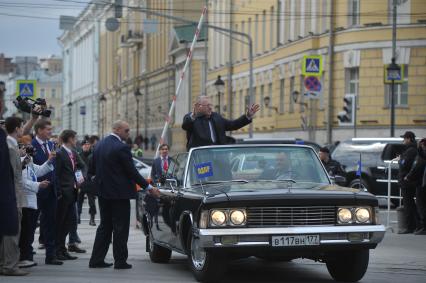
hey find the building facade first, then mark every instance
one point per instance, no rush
(139, 63)
(354, 56)
(80, 47)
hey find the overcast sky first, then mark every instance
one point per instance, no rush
(31, 28)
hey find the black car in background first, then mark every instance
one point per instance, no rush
(373, 153)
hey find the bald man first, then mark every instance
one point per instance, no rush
(116, 178)
(205, 127)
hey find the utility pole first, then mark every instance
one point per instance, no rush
(330, 105)
(392, 100)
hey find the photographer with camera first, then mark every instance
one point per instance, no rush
(9, 245)
(30, 173)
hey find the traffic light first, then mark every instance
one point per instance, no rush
(346, 117)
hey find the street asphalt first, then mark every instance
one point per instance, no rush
(399, 258)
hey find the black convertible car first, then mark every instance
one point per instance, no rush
(274, 202)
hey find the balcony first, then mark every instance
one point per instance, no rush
(134, 37)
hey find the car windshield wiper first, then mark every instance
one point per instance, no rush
(279, 180)
(220, 182)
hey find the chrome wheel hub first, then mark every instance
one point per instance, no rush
(198, 254)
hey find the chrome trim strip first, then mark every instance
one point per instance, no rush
(241, 244)
(292, 230)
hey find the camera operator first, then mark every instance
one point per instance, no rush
(9, 246)
(31, 186)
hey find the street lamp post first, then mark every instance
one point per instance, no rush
(394, 71)
(220, 88)
(102, 99)
(137, 95)
(69, 111)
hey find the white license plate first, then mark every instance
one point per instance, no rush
(295, 240)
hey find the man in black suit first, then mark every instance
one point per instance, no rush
(161, 164)
(116, 177)
(205, 127)
(68, 177)
(46, 198)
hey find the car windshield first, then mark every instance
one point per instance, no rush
(275, 164)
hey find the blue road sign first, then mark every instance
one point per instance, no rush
(312, 65)
(26, 88)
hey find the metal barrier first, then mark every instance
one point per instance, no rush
(389, 181)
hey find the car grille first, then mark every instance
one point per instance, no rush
(290, 216)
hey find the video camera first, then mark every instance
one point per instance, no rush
(27, 105)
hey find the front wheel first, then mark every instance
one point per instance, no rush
(157, 253)
(348, 266)
(206, 265)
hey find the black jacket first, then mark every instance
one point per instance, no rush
(8, 207)
(417, 172)
(114, 170)
(405, 163)
(198, 130)
(65, 174)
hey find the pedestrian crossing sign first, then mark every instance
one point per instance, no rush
(26, 88)
(312, 65)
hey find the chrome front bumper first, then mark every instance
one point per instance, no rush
(253, 237)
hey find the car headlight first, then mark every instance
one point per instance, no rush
(362, 215)
(344, 215)
(218, 217)
(237, 217)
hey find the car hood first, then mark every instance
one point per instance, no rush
(268, 193)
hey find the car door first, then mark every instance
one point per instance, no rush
(166, 230)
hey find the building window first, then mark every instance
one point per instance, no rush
(42, 93)
(271, 29)
(243, 27)
(241, 102)
(291, 107)
(401, 91)
(53, 94)
(262, 96)
(354, 12)
(256, 32)
(270, 94)
(263, 31)
(351, 81)
(282, 93)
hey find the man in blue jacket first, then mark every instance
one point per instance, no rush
(116, 177)
(47, 198)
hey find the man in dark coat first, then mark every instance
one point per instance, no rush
(205, 127)
(46, 198)
(116, 177)
(417, 175)
(8, 207)
(408, 187)
(68, 175)
(161, 164)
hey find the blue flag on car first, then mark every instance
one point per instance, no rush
(204, 170)
(358, 166)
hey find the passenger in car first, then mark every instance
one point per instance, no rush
(281, 170)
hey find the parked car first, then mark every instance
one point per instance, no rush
(214, 211)
(143, 168)
(373, 153)
(314, 145)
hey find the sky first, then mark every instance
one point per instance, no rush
(31, 27)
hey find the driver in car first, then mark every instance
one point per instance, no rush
(281, 171)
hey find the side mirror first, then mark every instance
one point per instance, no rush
(339, 180)
(172, 182)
